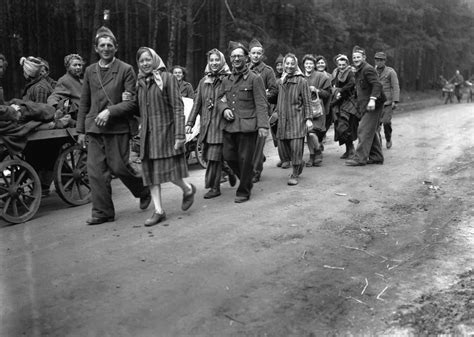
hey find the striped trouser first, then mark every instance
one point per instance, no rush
(292, 150)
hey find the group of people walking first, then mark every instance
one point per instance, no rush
(239, 105)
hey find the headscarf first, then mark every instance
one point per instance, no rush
(222, 70)
(69, 58)
(297, 72)
(157, 65)
(342, 75)
(31, 66)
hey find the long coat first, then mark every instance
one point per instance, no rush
(389, 79)
(162, 117)
(67, 86)
(269, 80)
(118, 78)
(244, 94)
(293, 107)
(205, 106)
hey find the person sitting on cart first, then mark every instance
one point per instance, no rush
(67, 93)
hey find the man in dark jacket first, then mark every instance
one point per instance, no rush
(105, 114)
(269, 80)
(370, 101)
(243, 103)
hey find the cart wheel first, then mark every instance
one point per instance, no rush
(199, 157)
(70, 176)
(20, 191)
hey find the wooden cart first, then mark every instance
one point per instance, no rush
(20, 185)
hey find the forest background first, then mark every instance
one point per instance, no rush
(423, 39)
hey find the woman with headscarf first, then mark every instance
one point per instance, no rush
(162, 134)
(344, 107)
(294, 115)
(321, 67)
(69, 86)
(210, 134)
(185, 88)
(37, 88)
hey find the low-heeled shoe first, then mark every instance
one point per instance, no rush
(188, 199)
(353, 162)
(145, 201)
(378, 162)
(155, 219)
(97, 221)
(212, 193)
(240, 200)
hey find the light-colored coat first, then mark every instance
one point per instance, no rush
(67, 86)
(389, 79)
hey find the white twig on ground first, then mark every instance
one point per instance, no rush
(378, 296)
(394, 266)
(361, 250)
(366, 284)
(303, 255)
(331, 267)
(358, 301)
(380, 275)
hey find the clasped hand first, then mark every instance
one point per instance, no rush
(102, 118)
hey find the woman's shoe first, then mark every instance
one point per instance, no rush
(188, 199)
(155, 219)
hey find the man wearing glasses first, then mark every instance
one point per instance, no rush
(243, 103)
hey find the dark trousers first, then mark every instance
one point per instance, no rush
(387, 130)
(370, 145)
(239, 149)
(107, 155)
(259, 157)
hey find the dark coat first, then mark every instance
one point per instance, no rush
(368, 85)
(186, 89)
(269, 80)
(162, 117)
(205, 106)
(119, 78)
(244, 94)
(67, 86)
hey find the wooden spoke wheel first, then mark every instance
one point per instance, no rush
(199, 156)
(20, 191)
(70, 176)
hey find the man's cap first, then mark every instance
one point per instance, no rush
(234, 45)
(255, 43)
(358, 49)
(380, 55)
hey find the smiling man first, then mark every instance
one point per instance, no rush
(243, 103)
(370, 100)
(105, 114)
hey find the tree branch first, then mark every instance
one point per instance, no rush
(228, 9)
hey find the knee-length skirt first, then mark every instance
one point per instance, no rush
(162, 170)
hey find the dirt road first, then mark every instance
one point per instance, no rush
(381, 249)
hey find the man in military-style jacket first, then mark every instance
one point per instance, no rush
(243, 103)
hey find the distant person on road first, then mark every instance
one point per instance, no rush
(243, 103)
(370, 100)
(185, 88)
(343, 106)
(389, 79)
(458, 81)
(210, 134)
(256, 55)
(162, 134)
(105, 114)
(294, 113)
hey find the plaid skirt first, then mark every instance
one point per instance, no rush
(159, 171)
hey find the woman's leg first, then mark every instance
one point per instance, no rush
(155, 191)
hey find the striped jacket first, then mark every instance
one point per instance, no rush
(293, 107)
(162, 117)
(205, 106)
(118, 78)
(37, 90)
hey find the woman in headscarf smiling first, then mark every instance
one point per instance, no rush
(294, 115)
(162, 135)
(210, 134)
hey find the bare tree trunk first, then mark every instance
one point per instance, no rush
(172, 30)
(155, 26)
(78, 25)
(190, 41)
(97, 21)
(222, 26)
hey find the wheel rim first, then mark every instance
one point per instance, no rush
(71, 180)
(20, 192)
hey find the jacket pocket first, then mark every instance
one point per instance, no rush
(245, 93)
(248, 124)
